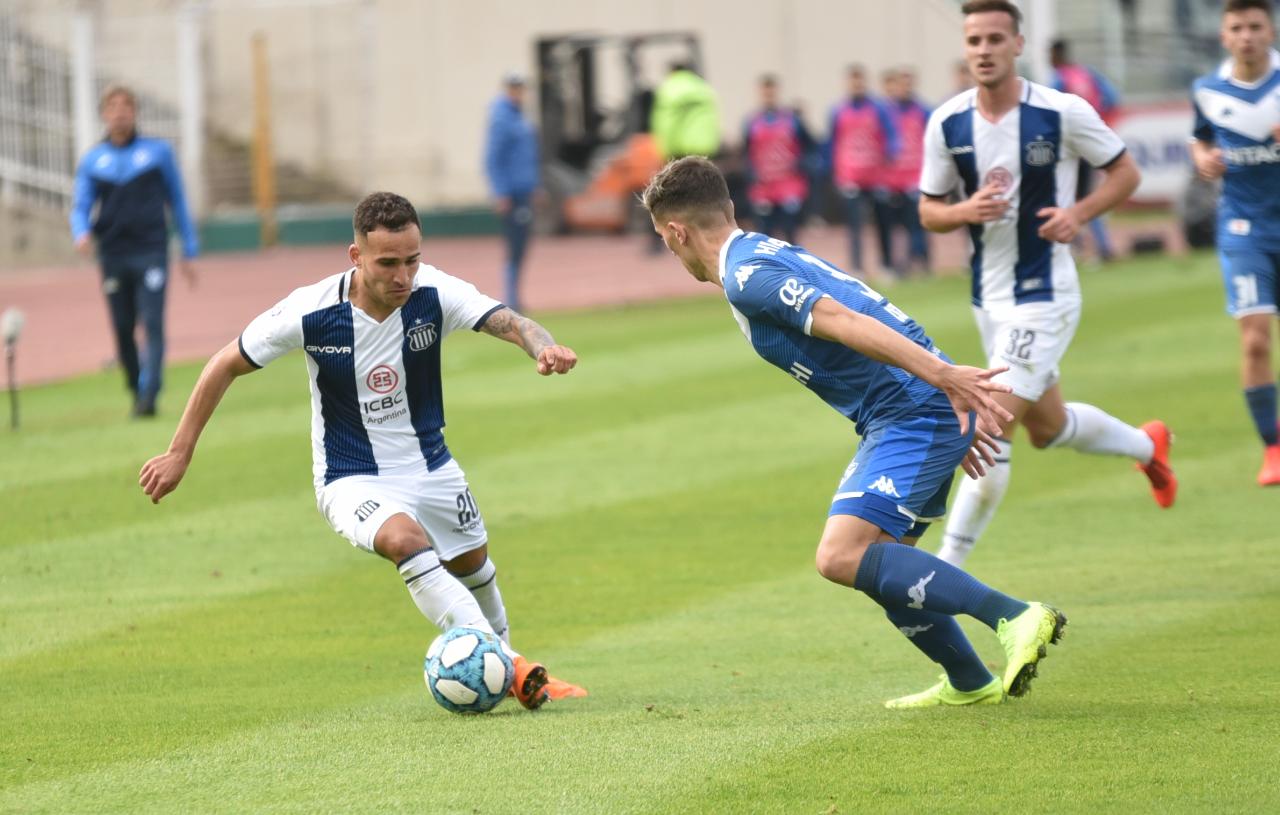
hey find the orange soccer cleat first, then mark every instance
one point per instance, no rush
(1269, 475)
(559, 689)
(530, 684)
(1164, 484)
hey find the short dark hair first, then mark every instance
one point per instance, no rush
(856, 69)
(384, 210)
(768, 80)
(690, 186)
(983, 6)
(1243, 5)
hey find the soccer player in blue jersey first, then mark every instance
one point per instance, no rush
(1015, 146)
(1237, 139)
(919, 417)
(384, 478)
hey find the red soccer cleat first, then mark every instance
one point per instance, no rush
(1164, 484)
(530, 684)
(1269, 475)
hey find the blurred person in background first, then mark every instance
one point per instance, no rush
(511, 164)
(861, 143)
(909, 119)
(685, 120)
(131, 179)
(776, 144)
(1237, 139)
(1092, 87)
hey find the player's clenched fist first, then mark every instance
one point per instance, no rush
(160, 475)
(987, 204)
(558, 359)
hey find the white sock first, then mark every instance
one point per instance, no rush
(1091, 430)
(975, 505)
(438, 594)
(483, 585)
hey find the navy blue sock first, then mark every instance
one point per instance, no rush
(900, 576)
(1262, 407)
(940, 639)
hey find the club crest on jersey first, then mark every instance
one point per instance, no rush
(1041, 153)
(421, 337)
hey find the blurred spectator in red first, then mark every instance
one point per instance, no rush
(861, 143)
(909, 119)
(776, 143)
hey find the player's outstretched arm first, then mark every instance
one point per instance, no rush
(537, 342)
(969, 389)
(987, 204)
(161, 475)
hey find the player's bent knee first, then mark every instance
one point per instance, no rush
(1256, 346)
(399, 538)
(839, 562)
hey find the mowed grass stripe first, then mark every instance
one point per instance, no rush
(754, 723)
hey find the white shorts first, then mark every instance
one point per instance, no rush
(357, 506)
(1031, 339)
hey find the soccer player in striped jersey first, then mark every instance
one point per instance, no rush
(384, 478)
(1014, 146)
(918, 416)
(1237, 139)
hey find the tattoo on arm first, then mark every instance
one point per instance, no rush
(519, 330)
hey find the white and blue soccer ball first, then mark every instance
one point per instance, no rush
(468, 671)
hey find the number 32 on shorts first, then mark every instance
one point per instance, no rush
(1020, 342)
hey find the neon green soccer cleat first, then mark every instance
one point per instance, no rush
(1026, 640)
(943, 693)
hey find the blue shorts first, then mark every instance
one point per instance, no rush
(1250, 277)
(901, 475)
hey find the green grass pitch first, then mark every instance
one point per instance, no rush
(653, 517)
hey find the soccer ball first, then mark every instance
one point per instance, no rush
(467, 671)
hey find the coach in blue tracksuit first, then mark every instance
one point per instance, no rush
(511, 163)
(131, 179)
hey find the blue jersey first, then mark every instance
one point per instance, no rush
(1240, 118)
(131, 183)
(772, 287)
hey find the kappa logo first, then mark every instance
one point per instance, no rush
(912, 630)
(916, 592)
(422, 336)
(744, 274)
(884, 484)
(1041, 153)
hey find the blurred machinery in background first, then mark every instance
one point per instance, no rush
(595, 94)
